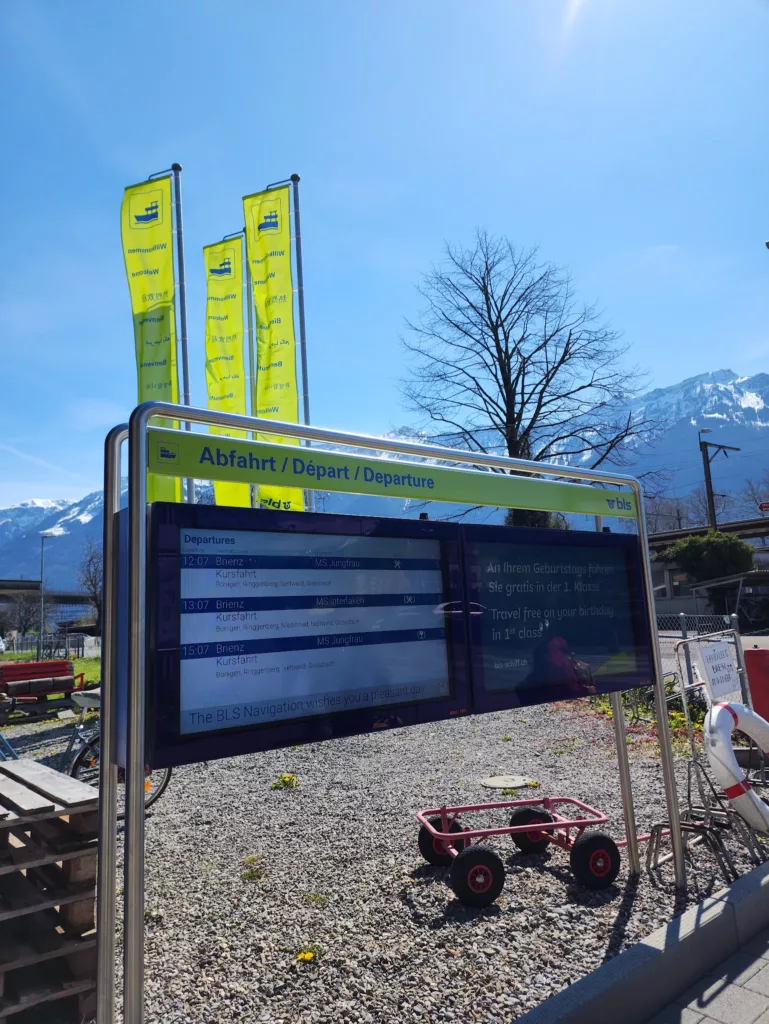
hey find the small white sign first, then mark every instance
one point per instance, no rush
(722, 678)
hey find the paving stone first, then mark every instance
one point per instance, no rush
(759, 981)
(725, 1003)
(739, 968)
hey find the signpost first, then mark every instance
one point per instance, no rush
(721, 676)
(763, 506)
(489, 481)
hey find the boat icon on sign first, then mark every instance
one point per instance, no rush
(151, 213)
(223, 270)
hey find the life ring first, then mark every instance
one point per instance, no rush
(720, 721)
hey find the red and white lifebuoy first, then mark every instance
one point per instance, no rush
(720, 722)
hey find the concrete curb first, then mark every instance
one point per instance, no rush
(641, 981)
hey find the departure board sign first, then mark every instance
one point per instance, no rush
(270, 629)
(557, 615)
(276, 628)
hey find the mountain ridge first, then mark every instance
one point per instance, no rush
(735, 409)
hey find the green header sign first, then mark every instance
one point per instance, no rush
(205, 457)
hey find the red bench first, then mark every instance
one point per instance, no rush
(34, 680)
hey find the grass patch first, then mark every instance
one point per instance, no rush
(512, 793)
(255, 874)
(317, 898)
(286, 781)
(255, 871)
(505, 739)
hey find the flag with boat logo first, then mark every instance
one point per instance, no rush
(225, 372)
(268, 250)
(146, 227)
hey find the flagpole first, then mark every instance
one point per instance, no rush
(251, 405)
(177, 172)
(309, 495)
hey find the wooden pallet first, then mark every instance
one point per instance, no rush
(48, 846)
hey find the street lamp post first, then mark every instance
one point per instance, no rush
(707, 458)
(43, 538)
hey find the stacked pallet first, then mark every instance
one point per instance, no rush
(48, 843)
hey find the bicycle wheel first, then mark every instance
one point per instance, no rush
(86, 768)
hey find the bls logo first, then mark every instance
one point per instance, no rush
(268, 217)
(619, 504)
(145, 209)
(223, 270)
(168, 451)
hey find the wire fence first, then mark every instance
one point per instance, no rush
(695, 624)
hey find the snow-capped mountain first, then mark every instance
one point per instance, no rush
(70, 523)
(735, 409)
(18, 519)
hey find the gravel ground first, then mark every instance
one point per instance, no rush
(337, 865)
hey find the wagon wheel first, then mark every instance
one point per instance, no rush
(477, 876)
(434, 850)
(534, 841)
(595, 860)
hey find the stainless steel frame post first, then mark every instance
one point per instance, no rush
(107, 856)
(133, 980)
(747, 699)
(663, 722)
(623, 764)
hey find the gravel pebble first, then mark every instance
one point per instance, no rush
(339, 867)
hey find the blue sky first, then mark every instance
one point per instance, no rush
(628, 138)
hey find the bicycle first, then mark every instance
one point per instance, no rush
(85, 765)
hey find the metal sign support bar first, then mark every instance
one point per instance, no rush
(133, 1008)
(107, 860)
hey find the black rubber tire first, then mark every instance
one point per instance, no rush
(525, 841)
(427, 844)
(595, 860)
(86, 768)
(477, 876)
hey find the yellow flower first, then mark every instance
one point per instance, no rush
(305, 956)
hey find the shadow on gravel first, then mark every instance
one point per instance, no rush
(428, 882)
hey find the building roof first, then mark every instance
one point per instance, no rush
(753, 578)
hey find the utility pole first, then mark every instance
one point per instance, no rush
(707, 458)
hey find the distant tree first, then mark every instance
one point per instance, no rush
(506, 360)
(26, 612)
(754, 493)
(6, 621)
(90, 577)
(549, 521)
(709, 557)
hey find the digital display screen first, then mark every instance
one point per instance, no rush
(277, 626)
(554, 617)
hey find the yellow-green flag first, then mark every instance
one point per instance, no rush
(225, 373)
(146, 227)
(268, 249)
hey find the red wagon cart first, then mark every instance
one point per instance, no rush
(478, 873)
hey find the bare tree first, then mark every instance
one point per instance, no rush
(753, 494)
(90, 577)
(25, 612)
(506, 360)
(696, 504)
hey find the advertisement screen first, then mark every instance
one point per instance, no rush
(277, 626)
(554, 615)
